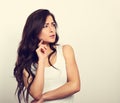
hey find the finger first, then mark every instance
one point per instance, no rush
(41, 42)
(42, 49)
(43, 46)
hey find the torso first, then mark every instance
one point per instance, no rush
(52, 60)
(56, 77)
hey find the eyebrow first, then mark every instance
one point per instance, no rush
(51, 23)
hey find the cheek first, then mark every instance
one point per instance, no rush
(42, 35)
(39, 36)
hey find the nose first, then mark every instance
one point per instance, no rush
(51, 28)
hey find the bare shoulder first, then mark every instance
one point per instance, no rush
(67, 47)
(68, 51)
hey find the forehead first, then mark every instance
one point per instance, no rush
(49, 19)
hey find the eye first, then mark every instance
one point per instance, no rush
(45, 26)
(54, 24)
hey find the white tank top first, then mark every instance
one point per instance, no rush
(56, 77)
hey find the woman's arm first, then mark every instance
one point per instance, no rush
(36, 87)
(73, 80)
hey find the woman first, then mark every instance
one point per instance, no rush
(45, 70)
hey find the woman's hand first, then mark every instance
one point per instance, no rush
(42, 50)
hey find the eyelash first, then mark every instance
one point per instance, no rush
(54, 24)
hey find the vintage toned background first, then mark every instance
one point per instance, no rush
(92, 27)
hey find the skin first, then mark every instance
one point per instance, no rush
(72, 85)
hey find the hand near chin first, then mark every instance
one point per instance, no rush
(42, 50)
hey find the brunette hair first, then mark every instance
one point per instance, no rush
(27, 49)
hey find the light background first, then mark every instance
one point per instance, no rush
(92, 27)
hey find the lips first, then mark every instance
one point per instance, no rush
(52, 35)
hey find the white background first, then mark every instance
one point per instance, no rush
(92, 27)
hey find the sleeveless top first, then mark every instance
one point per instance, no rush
(56, 77)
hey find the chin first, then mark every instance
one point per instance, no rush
(49, 41)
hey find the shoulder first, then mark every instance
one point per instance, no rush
(67, 48)
(68, 51)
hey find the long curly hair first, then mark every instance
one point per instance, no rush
(27, 49)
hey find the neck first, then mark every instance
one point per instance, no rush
(49, 50)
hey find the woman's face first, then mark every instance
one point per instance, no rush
(48, 33)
